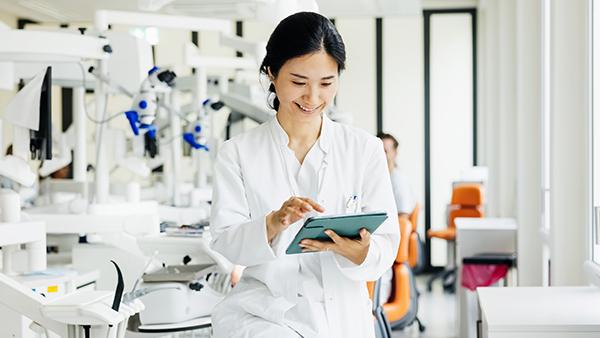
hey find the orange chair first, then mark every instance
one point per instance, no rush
(399, 302)
(415, 246)
(402, 254)
(467, 201)
(402, 306)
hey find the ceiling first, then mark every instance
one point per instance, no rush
(83, 10)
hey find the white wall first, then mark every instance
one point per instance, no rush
(5, 95)
(569, 148)
(511, 119)
(507, 106)
(403, 112)
(488, 143)
(356, 94)
(529, 138)
(497, 104)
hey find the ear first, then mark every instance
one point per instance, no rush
(271, 77)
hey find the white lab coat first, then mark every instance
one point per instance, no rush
(403, 194)
(251, 180)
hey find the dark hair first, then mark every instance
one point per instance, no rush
(300, 34)
(384, 136)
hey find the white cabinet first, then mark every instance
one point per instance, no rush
(549, 312)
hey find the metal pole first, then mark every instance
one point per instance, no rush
(80, 148)
(201, 94)
(176, 148)
(102, 175)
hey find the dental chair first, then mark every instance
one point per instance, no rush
(467, 201)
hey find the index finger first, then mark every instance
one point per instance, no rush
(302, 204)
(314, 204)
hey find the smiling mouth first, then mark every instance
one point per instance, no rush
(306, 109)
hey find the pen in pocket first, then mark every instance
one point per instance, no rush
(351, 203)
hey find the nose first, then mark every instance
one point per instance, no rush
(311, 96)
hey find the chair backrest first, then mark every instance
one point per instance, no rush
(371, 289)
(467, 195)
(467, 201)
(414, 216)
(405, 229)
(415, 259)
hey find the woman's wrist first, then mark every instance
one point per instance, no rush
(359, 257)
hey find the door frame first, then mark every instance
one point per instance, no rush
(426, 54)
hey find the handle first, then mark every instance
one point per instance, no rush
(119, 289)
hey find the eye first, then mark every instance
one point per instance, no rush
(298, 83)
(326, 84)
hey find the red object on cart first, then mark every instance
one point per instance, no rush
(476, 275)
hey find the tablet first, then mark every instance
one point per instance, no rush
(348, 225)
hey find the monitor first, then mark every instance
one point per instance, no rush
(40, 144)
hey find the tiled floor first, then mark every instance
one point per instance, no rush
(436, 311)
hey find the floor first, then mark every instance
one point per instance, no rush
(436, 311)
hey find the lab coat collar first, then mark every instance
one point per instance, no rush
(324, 139)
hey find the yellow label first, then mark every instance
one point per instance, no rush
(52, 288)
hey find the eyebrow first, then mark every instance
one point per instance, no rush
(306, 77)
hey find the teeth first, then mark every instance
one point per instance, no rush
(304, 108)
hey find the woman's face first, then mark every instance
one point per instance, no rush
(390, 151)
(306, 84)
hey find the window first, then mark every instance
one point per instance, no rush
(545, 158)
(595, 133)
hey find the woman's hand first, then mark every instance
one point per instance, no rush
(236, 274)
(354, 249)
(290, 212)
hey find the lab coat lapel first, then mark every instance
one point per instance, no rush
(324, 174)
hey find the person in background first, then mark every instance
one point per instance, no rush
(403, 196)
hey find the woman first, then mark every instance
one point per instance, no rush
(268, 180)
